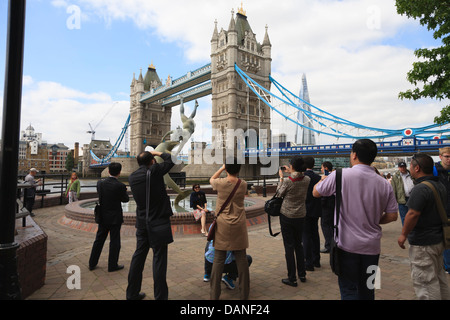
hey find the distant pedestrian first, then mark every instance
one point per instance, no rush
(30, 192)
(293, 189)
(311, 238)
(388, 177)
(73, 190)
(111, 193)
(423, 229)
(231, 233)
(153, 228)
(367, 202)
(402, 183)
(326, 221)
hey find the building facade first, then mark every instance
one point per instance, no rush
(37, 153)
(57, 156)
(33, 156)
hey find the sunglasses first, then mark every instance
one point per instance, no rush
(416, 160)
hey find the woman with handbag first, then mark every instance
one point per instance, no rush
(231, 228)
(293, 211)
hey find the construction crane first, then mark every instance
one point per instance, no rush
(92, 131)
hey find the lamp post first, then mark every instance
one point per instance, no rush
(9, 279)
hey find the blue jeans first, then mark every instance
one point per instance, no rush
(402, 210)
(355, 275)
(447, 260)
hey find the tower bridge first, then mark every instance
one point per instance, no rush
(243, 97)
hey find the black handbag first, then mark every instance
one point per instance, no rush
(272, 208)
(334, 249)
(98, 207)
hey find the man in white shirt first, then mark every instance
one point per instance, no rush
(402, 183)
(30, 193)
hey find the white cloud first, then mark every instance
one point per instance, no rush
(63, 114)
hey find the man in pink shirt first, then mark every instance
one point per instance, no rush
(368, 201)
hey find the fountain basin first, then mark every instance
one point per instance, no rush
(182, 215)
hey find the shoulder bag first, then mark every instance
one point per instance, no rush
(98, 206)
(334, 249)
(442, 213)
(213, 227)
(272, 208)
(158, 233)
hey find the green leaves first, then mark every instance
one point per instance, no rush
(431, 74)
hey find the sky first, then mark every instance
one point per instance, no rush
(80, 57)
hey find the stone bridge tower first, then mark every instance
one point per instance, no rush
(148, 121)
(234, 105)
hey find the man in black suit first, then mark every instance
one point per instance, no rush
(311, 239)
(152, 223)
(111, 193)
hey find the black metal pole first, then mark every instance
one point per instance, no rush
(264, 187)
(9, 279)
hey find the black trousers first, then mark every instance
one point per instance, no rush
(114, 245)
(311, 241)
(28, 203)
(292, 230)
(161, 291)
(326, 223)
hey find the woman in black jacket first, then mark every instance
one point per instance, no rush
(198, 203)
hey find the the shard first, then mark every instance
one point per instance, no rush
(304, 136)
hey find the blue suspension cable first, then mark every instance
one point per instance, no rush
(335, 119)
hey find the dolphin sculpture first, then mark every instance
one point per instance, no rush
(179, 137)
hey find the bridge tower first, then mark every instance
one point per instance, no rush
(234, 106)
(148, 121)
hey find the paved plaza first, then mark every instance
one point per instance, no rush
(70, 245)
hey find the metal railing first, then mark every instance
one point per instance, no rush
(56, 184)
(21, 211)
(42, 189)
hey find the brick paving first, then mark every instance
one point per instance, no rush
(70, 244)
